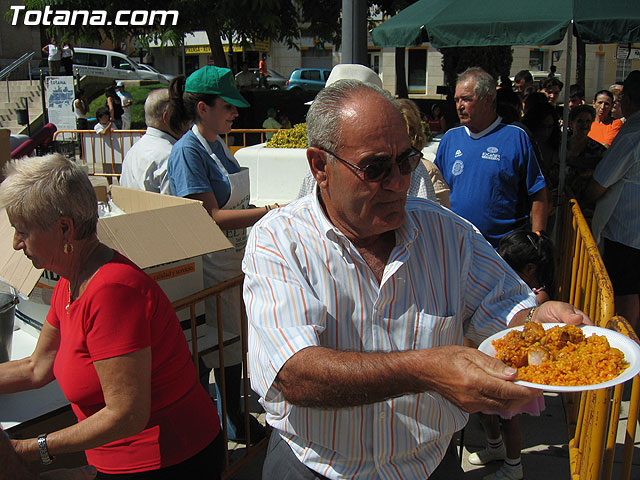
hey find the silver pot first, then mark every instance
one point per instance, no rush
(8, 302)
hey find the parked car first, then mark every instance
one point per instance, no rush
(105, 63)
(149, 68)
(274, 80)
(308, 79)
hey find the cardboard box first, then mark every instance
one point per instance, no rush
(162, 234)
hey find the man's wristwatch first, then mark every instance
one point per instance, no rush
(44, 451)
(530, 313)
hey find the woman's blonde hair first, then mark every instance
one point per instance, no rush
(412, 117)
(40, 190)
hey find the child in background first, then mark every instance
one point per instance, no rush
(531, 256)
(104, 125)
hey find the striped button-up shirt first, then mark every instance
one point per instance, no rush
(307, 285)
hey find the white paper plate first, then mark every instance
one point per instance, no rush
(630, 349)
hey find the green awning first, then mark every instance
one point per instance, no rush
(612, 21)
(463, 23)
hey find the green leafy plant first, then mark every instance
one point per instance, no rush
(295, 137)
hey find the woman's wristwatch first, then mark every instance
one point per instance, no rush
(44, 451)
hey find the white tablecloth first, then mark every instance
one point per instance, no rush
(19, 407)
(275, 173)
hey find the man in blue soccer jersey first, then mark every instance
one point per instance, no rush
(495, 179)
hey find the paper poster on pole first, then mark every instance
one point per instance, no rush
(60, 96)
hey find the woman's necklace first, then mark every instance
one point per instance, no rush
(70, 299)
(89, 257)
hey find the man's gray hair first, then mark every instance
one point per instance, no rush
(324, 119)
(485, 84)
(154, 106)
(40, 190)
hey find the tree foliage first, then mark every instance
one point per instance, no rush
(236, 21)
(494, 60)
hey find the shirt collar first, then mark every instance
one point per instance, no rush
(156, 132)
(325, 224)
(486, 131)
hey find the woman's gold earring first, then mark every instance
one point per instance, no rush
(68, 248)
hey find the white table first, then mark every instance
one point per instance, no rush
(429, 151)
(17, 408)
(275, 174)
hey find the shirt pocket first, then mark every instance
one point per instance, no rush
(434, 331)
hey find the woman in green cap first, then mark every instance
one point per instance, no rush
(202, 167)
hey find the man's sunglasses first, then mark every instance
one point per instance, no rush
(378, 171)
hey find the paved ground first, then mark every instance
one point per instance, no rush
(545, 452)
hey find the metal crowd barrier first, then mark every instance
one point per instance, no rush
(190, 303)
(240, 138)
(593, 418)
(103, 154)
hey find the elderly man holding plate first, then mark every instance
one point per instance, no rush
(358, 299)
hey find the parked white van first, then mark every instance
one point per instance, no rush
(105, 63)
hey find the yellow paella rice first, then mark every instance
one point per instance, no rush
(559, 356)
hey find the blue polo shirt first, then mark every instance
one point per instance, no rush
(491, 175)
(192, 170)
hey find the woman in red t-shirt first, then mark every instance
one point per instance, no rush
(604, 128)
(111, 340)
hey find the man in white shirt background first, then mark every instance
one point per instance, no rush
(145, 165)
(245, 78)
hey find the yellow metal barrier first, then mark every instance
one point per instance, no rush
(592, 417)
(104, 154)
(190, 303)
(246, 137)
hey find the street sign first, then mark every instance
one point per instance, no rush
(626, 53)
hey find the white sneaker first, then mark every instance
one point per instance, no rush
(488, 455)
(506, 472)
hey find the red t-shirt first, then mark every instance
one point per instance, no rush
(121, 311)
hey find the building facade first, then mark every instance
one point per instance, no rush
(605, 64)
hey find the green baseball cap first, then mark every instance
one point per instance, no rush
(215, 81)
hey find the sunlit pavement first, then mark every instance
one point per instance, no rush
(545, 452)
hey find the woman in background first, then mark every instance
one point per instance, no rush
(616, 110)
(604, 128)
(54, 56)
(67, 58)
(114, 105)
(202, 167)
(81, 109)
(418, 140)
